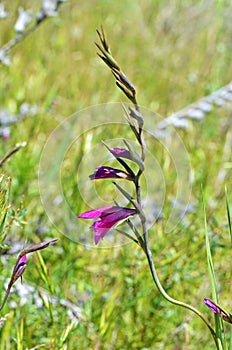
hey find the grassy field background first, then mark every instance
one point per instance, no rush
(174, 53)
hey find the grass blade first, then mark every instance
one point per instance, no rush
(228, 213)
(230, 346)
(219, 328)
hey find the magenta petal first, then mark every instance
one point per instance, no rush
(23, 259)
(109, 216)
(118, 215)
(100, 229)
(102, 226)
(95, 213)
(105, 211)
(97, 238)
(20, 268)
(22, 262)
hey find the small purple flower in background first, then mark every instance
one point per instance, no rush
(20, 268)
(21, 264)
(218, 310)
(121, 153)
(109, 216)
(5, 133)
(106, 172)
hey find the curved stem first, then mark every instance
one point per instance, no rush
(127, 87)
(172, 300)
(147, 251)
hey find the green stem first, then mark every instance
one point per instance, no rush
(172, 300)
(148, 253)
(5, 297)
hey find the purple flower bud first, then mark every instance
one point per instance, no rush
(109, 216)
(20, 268)
(21, 264)
(218, 310)
(106, 172)
(121, 153)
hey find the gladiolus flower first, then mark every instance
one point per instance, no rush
(106, 172)
(109, 216)
(218, 310)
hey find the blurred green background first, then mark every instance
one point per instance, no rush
(174, 52)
